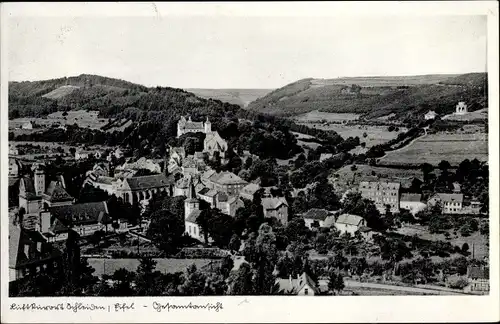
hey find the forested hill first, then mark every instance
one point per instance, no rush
(155, 112)
(377, 96)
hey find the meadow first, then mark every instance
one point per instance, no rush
(375, 135)
(433, 148)
(318, 116)
(83, 118)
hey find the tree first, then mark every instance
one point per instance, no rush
(335, 282)
(465, 248)
(426, 170)
(235, 243)
(195, 282)
(241, 282)
(204, 220)
(166, 230)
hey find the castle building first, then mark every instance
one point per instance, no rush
(188, 126)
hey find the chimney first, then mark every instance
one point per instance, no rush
(27, 250)
(39, 246)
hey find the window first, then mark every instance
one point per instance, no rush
(194, 230)
(306, 291)
(189, 228)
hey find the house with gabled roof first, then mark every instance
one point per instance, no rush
(31, 254)
(347, 223)
(451, 203)
(303, 285)
(248, 191)
(228, 204)
(225, 181)
(316, 217)
(276, 207)
(412, 202)
(84, 218)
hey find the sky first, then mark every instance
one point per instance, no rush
(243, 52)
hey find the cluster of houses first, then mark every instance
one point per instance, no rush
(50, 212)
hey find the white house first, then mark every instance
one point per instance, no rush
(431, 114)
(412, 202)
(27, 125)
(450, 203)
(347, 223)
(315, 218)
(303, 285)
(461, 108)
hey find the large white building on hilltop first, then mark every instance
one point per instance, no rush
(461, 108)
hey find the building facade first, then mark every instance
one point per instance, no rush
(382, 193)
(277, 208)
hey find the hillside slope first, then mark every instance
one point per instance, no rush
(148, 117)
(376, 96)
(240, 97)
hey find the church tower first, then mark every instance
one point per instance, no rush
(208, 126)
(39, 179)
(191, 203)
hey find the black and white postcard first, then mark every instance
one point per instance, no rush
(250, 162)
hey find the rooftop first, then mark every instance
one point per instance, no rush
(316, 213)
(412, 197)
(349, 219)
(447, 197)
(273, 203)
(85, 213)
(149, 182)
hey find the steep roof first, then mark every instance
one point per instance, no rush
(329, 221)
(149, 182)
(250, 188)
(85, 213)
(29, 187)
(58, 227)
(193, 216)
(316, 213)
(56, 192)
(294, 285)
(273, 203)
(19, 256)
(447, 197)
(478, 273)
(411, 197)
(105, 180)
(379, 185)
(226, 178)
(349, 219)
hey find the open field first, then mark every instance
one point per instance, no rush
(316, 116)
(476, 239)
(433, 148)
(60, 92)
(478, 114)
(375, 134)
(345, 178)
(84, 119)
